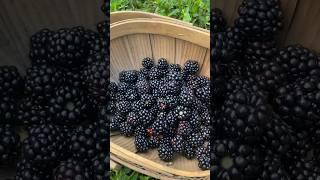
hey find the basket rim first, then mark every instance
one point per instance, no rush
(160, 27)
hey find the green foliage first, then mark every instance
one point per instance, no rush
(128, 174)
(196, 12)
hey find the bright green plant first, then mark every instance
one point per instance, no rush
(128, 174)
(196, 12)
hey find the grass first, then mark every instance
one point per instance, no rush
(127, 174)
(196, 12)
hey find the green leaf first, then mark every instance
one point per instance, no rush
(186, 15)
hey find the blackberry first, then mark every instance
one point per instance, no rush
(100, 165)
(97, 79)
(147, 100)
(186, 96)
(9, 144)
(178, 144)
(126, 129)
(165, 150)
(155, 73)
(115, 121)
(30, 113)
(42, 81)
(182, 112)
(137, 106)
(298, 62)
(205, 132)
(260, 50)
(217, 20)
(38, 47)
(142, 143)
(244, 115)
(102, 129)
(168, 102)
(45, 145)
(233, 161)
(7, 110)
(162, 63)
(203, 94)
(10, 81)
(221, 51)
(71, 169)
(83, 144)
(160, 124)
(147, 63)
(296, 103)
(172, 88)
(273, 169)
(154, 142)
(196, 82)
(133, 119)
(191, 67)
(236, 40)
(130, 76)
(143, 87)
(195, 139)
(174, 76)
(96, 43)
(145, 117)
(104, 31)
(123, 107)
(68, 47)
(259, 19)
(204, 162)
(73, 78)
(189, 151)
(26, 171)
(184, 128)
(132, 94)
(68, 106)
(174, 68)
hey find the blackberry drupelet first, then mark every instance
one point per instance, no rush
(71, 170)
(273, 168)
(9, 144)
(259, 19)
(260, 50)
(68, 106)
(46, 145)
(191, 67)
(182, 112)
(235, 161)
(217, 20)
(10, 81)
(304, 170)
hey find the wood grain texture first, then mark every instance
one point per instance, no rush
(163, 47)
(186, 50)
(19, 19)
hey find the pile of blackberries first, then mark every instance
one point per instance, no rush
(61, 103)
(265, 99)
(164, 106)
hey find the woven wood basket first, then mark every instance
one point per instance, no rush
(133, 39)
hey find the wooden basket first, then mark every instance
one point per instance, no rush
(131, 41)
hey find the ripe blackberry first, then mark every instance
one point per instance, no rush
(142, 143)
(96, 43)
(123, 107)
(104, 31)
(83, 143)
(233, 161)
(42, 81)
(204, 162)
(171, 88)
(174, 76)
(189, 151)
(296, 103)
(126, 129)
(26, 171)
(143, 87)
(68, 47)
(9, 144)
(145, 117)
(174, 67)
(132, 94)
(168, 102)
(217, 20)
(115, 121)
(147, 63)
(160, 124)
(73, 78)
(244, 115)
(298, 62)
(10, 81)
(259, 19)
(45, 146)
(30, 113)
(186, 96)
(236, 40)
(137, 106)
(165, 150)
(195, 82)
(184, 128)
(191, 67)
(38, 43)
(133, 119)
(68, 106)
(102, 129)
(182, 112)
(100, 166)
(195, 140)
(71, 169)
(177, 143)
(205, 132)
(260, 50)
(97, 79)
(203, 94)
(273, 169)
(147, 100)
(155, 73)
(130, 76)
(154, 141)
(162, 64)
(7, 110)
(221, 50)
